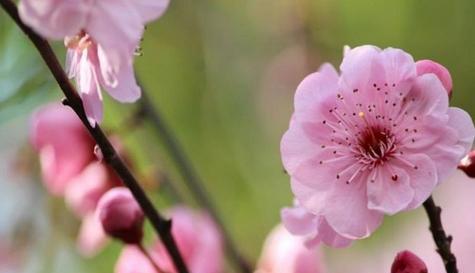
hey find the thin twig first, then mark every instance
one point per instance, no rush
(442, 240)
(149, 258)
(161, 225)
(193, 181)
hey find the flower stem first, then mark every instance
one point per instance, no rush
(192, 179)
(150, 259)
(160, 224)
(441, 239)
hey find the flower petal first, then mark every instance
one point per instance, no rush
(313, 89)
(463, 124)
(126, 89)
(151, 9)
(422, 175)
(390, 191)
(347, 211)
(299, 221)
(54, 19)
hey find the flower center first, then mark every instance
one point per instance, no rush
(376, 144)
(79, 42)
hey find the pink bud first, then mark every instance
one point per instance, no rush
(408, 262)
(467, 164)
(121, 216)
(428, 66)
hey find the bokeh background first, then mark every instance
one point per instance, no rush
(222, 74)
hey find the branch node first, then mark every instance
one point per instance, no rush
(65, 102)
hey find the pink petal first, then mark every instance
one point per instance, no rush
(398, 65)
(296, 147)
(91, 238)
(362, 67)
(390, 192)
(132, 260)
(346, 211)
(54, 19)
(430, 95)
(463, 124)
(89, 88)
(312, 90)
(86, 189)
(428, 66)
(120, 40)
(312, 200)
(325, 170)
(64, 145)
(126, 89)
(299, 221)
(423, 179)
(330, 237)
(107, 72)
(72, 62)
(285, 253)
(150, 10)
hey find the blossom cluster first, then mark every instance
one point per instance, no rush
(374, 139)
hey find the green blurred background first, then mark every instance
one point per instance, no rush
(223, 74)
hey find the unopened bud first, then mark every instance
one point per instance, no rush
(428, 66)
(408, 262)
(120, 215)
(467, 164)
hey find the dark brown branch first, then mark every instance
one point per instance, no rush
(161, 225)
(442, 240)
(193, 181)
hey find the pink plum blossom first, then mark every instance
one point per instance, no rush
(198, 240)
(121, 216)
(101, 37)
(285, 253)
(64, 146)
(408, 262)
(374, 140)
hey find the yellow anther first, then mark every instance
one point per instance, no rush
(361, 114)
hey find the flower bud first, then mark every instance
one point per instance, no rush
(467, 164)
(408, 262)
(428, 66)
(120, 215)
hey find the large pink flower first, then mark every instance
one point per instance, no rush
(197, 238)
(65, 147)
(101, 37)
(374, 140)
(285, 253)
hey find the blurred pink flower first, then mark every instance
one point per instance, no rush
(133, 260)
(197, 238)
(285, 253)
(65, 147)
(314, 228)
(121, 216)
(101, 37)
(85, 189)
(408, 262)
(91, 238)
(375, 140)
